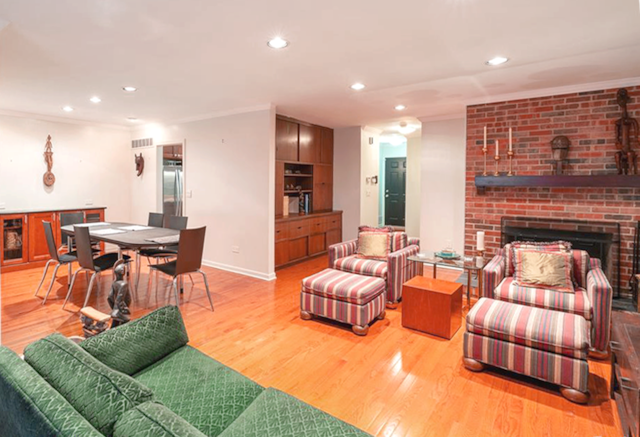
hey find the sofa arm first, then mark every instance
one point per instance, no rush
(340, 250)
(400, 270)
(595, 263)
(600, 295)
(413, 241)
(493, 274)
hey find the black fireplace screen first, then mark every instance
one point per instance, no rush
(600, 239)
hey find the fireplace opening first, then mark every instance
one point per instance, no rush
(600, 239)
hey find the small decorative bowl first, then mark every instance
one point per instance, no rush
(447, 255)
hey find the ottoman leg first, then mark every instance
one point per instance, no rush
(382, 315)
(304, 315)
(473, 365)
(360, 330)
(574, 395)
(392, 305)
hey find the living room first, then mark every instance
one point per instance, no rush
(349, 219)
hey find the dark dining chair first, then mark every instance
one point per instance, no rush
(172, 222)
(88, 263)
(57, 259)
(189, 260)
(156, 219)
(66, 219)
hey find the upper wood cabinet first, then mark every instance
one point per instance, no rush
(326, 146)
(286, 140)
(310, 139)
(322, 187)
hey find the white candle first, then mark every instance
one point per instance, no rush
(480, 240)
(485, 137)
(497, 148)
(510, 140)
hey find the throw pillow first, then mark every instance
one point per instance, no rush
(373, 245)
(553, 246)
(542, 269)
(152, 419)
(96, 391)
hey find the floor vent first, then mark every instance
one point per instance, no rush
(142, 142)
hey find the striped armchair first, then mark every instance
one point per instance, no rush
(591, 299)
(396, 270)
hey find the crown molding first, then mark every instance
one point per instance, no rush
(555, 91)
(54, 119)
(224, 113)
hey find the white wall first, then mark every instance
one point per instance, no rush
(369, 166)
(346, 178)
(230, 170)
(414, 188)
(90, 163)
(443, 184)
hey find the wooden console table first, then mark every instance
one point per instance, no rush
(625, 369)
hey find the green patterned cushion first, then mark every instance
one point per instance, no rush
(199, 389)
(153, 420)
(31, 407)
(131, 347)
(276, 414)
(99, 393)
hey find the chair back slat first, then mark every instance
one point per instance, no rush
(156, 219)
(51, 241)
(190, 250)
(71, 218)
(83, 246)
(177, 223)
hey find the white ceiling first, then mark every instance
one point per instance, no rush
(194, 57)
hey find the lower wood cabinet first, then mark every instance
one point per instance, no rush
(300, 237)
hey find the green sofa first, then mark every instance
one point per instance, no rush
(142, 379)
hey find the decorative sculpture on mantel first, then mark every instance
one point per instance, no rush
(560, 147)
(626, 136)
(49, 179)
(139, 164)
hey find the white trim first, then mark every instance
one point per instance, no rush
(547, 92)
(223, 113)
(240, 270)
(444, 117)
(52, 118)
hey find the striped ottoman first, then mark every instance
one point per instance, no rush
(547, 345)
(345, 297)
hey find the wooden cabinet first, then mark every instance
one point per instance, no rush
(310, 148)
(326, 146)
(279, 187)
(38, 247)
(300, 237)
(286, 140)
(322, 187)
(94, 215)
(14, 241)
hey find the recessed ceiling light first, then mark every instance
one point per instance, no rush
(95, 99)
(400, 108)
(67, 108)
(132, 119)
(357, 86)
(129, 89)
(278, 43)
(498, 60)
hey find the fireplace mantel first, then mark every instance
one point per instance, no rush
(593, 181)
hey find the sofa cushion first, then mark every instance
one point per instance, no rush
(29, 406)
(581, 266)
(152, 419)
(131, 347)
(554, 246)
(373, 245)
(542, 269)
(199, 389)
(359, 266)
(547, 330)
(343, 286)
(275, 413)
(96, 391)
(575, 303)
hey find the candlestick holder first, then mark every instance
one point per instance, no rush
(480, 253)
(497, 159)
(510, 156)
(484, 152)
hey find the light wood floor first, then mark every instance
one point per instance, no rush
(393, 382)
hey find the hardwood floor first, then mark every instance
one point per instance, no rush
(393, 382)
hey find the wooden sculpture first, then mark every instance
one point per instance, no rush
(626, 136)
(49, 179)
(560, 148)
(139, 164)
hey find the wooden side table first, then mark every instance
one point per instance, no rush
(432, 305)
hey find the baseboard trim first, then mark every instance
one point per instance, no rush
(240, 270)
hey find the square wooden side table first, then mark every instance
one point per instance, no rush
(432, 305)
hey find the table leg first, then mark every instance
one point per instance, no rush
(420, 268)
(480, 283)
(435, 269)
(469, 278)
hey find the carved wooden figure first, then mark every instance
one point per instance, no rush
(626, 136)
(139, 164)
(49, 179)
(120, 297)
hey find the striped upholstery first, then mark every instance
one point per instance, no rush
(546, 366)
(397, 241)
(493, 274)
(400, 271)
(361, 266)
(600, 295)
(353, 314)
(581, 265)
(340, 250)
(413, 241)
(510, 249)
(575, 303)
(546, 330)
(342, 286)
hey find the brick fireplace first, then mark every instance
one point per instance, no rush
(588, 120)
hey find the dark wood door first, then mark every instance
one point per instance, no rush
(394, 191)
(326, 146)
(310, 139)
(322, 187)
(286, 140)
(38, 248)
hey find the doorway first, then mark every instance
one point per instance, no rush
(395, 182)
(172, 182)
